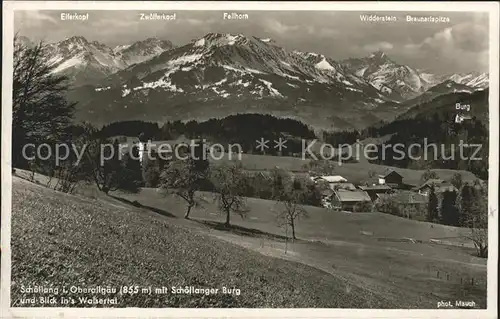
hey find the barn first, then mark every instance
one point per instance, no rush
(374, 190)
(391, 178)
(349, 199)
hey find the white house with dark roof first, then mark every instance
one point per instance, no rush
(165, 149)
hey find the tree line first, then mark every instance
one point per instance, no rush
(243, 129)
(438, 128)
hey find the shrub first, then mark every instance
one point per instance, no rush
(411, 211)
(363, 207)
(151, 173)
(136, 203)
(388, 205)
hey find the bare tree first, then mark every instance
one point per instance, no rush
(68, 176)
(457, 180)
(182, 178)
(477, 222)
(229, 187)
(290, 199)
(40, 111)
(427, 175)
(371, 173)
(103, 163)
(278, 180)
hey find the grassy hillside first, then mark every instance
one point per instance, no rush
(64, 240)
(321, 223)
(397, 257)
(387, 254)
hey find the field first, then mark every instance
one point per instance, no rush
(339, 259)
(64, 240)
(379, 252)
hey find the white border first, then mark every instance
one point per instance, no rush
(8, 33)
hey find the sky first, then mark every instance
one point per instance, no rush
(460, 45)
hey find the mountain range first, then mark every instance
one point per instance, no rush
(87, 61)
(221, 74)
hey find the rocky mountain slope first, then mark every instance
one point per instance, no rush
(87, 61)
(141, 51)
(476, 80)
(223, 73)
(400, 82)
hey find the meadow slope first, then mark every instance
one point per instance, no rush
(63, 240)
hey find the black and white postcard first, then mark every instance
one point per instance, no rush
(249, 159)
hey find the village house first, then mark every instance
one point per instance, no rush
(439, 185)
(346, 186)
(391, 178)
(374, 190)
(409, 203)
(329, 179)
(333, 182)
(459, 118)
(348, 199)
(159, 150)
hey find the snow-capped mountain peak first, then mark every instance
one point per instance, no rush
(237, 70)
(120, 48)
(475, 80)
(76, 54)
(267, 40)
(85, 61)
(228, 39)
(324, 65)
(141, 51)
(218, 39)
(399, 82)
(76, 39)
(379, 55)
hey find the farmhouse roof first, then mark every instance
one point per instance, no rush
(352, 196)
(389, 172)
(326, 192)
(335, 186)
(334, 179)
(375, 187)
(431, 182)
